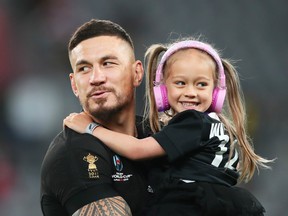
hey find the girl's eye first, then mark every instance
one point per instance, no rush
(202, 84)
(180, 83)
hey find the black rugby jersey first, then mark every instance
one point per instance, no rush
(79, 169)
(197, 145)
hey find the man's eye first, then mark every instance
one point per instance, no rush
(108, 63)
(84, 69)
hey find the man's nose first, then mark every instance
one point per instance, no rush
(97, 77)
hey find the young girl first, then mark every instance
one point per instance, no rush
(207, 147)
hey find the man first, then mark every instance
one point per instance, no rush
(79, 175)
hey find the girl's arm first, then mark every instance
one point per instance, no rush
(125, 145)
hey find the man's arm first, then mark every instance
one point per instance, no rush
(114, 206)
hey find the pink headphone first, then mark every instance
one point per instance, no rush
(160, 90)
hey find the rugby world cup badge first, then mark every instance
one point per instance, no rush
(117, 163)
(119, 176)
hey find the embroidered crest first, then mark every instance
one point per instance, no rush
(92, 168)
(117, 163)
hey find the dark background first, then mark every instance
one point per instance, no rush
(35, 92)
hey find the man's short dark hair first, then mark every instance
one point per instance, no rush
(95, 28)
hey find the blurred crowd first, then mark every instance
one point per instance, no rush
(35, 92)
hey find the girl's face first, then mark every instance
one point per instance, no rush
(189, 78)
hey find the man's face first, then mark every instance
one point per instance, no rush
(104, 75)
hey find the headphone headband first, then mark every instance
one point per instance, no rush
(191, 44)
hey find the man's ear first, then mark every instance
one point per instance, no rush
(73, 84)
(139, 73)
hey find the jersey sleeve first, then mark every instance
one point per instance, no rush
(185, 133)
(78, 171)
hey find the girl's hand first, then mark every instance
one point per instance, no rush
(77, 121)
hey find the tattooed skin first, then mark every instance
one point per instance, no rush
(115, 206)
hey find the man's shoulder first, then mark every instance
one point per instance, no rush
(60, 140)
(56, 150)
(69, 140)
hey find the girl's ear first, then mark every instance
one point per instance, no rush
(73, 84)
(138, 73)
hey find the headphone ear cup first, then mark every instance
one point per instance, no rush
(161, 98)
(218, 98)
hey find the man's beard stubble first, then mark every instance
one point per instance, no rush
(105, 112)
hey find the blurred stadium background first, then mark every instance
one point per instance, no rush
(35, 91)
